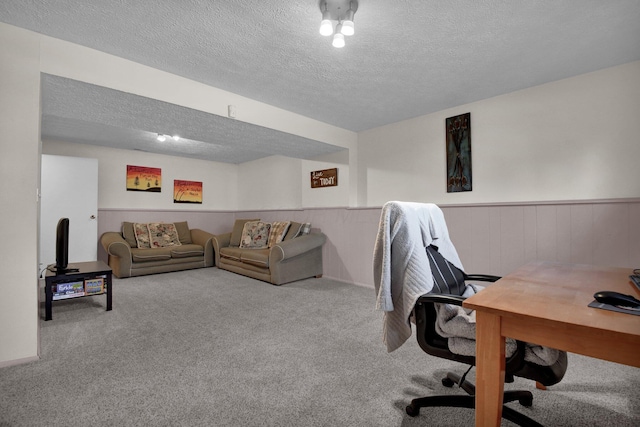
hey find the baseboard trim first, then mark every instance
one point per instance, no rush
(21, 361)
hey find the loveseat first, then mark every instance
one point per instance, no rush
(278, 252)
(149, 248)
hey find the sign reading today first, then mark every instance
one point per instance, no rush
(324, 178)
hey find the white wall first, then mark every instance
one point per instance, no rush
(574, 139)
(219, 180)
(19, 177)
(337, 196)
(269, 183)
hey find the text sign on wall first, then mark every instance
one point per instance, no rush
(324, 178)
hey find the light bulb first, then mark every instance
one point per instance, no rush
(338, 40)
(162, 138)
(326, 27)
(347, 28)
(175, 137)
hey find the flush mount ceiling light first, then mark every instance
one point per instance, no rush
(162, 138)
(340, 13)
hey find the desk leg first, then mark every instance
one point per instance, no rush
(109, 291)
(490, 365)
(48, 297)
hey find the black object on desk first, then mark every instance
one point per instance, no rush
(616, 298)
(85, 281)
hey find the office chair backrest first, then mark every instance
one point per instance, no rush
(447, 278)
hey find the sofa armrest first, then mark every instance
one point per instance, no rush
(296, 246)
(115, 245)
(204, 239)
(220, 241)
(119, 253)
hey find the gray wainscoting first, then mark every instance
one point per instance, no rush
(490, 239)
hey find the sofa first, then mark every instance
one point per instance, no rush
(278, 252)
(149, 248)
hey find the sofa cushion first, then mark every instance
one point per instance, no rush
(129, 235)
(185, 251)
(184, 234)
(278, 231)
(162, 235)
(258, 257)
(293, 231)
(155, 254)
(142, 235)
(231, 253)
(236, 234)
(255, 234)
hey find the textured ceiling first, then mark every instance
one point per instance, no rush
(80, 112)
(408, 57)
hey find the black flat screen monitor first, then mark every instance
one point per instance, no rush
(62, 247)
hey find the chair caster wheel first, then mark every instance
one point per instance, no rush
(447, 382)
(412, 411)
(526, 401)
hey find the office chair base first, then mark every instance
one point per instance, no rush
(525, 398)
(413, 410)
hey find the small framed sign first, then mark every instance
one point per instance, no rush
(324, 178)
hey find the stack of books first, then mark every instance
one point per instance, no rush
(68, 290)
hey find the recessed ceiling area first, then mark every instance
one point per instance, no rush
(406, 59)
(80, 112)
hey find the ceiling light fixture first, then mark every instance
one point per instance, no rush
(326, 26)
(338, 37)
(162, 137)
(340, 12)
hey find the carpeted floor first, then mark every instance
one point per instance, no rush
(211, 348)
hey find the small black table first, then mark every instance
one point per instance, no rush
(91, 272)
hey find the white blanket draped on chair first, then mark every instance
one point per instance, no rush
(402, 274)
(400, 267)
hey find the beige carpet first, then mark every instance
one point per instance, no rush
(211, 348)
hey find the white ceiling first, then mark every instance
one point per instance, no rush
(408, 58)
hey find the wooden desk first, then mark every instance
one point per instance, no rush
(546, 303)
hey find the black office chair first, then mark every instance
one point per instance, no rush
(449, 284)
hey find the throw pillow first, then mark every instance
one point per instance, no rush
(142, 235)
(236, 234)
(255, 235)
(305, 229)
(129, 235)
(184, 235)
(162, 235)
(294, 229)
(278, 231)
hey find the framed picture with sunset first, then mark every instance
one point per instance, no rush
(187, 191)
(144, 178)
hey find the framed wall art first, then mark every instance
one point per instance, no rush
(143, 178)
(187, 191)
(324, 178)
(458, 131)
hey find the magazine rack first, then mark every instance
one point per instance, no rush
(87, 279)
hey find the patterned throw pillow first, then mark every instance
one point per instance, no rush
(305, 229)
(142, 235)
(255, 235)
(162, 235)
(236, 234)
(278, 231)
